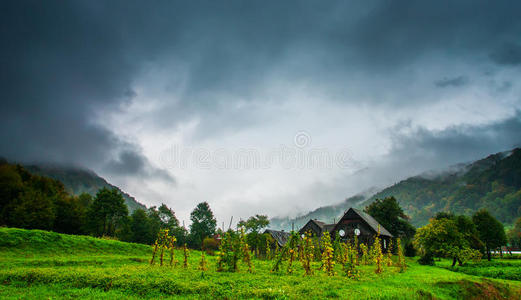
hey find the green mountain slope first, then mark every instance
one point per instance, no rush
(79, 181)
(493, 183)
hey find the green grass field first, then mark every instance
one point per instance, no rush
(38, 264)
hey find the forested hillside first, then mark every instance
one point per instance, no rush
(493, 183)
(78, 181)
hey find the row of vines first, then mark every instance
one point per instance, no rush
(307, 251)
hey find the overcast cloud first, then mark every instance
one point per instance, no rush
(400, 86)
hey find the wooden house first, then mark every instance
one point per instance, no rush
(316, 227)
(356, 222)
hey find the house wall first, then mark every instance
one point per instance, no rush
(367, 234)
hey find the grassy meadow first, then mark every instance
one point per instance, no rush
(38, 264)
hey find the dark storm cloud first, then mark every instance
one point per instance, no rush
(63, 62)
(433, 149)
(129, 163)
(507, 54)
(448, 82)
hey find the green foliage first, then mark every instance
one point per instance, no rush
(140, 227)
(401, 257)
(164, 242)
(203, 265)
(501, 269)
(186, 254)
(443, 237)
(255, 223)
(245, 250)
(203, 224)
(210, 245)
(230, 252)
(28, 243)
(366, 258)
(328, 260)
(377, 255)
(79, 181)
(492, 183)
(106, 212)
(253, 226)
(426, 259)
(514, 234)
(287, 252)
(307, 253)
(349, 260)
(268, 242)
(391, 216)
(409, 250)
(106, 269)
(33, 210)
(466, 227)
(31, 201)
(490, 230)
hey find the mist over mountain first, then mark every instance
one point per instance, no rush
(78, 180)
(493, 183)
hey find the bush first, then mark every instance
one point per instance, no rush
(426, 259)
(409, 250)
(210, 245)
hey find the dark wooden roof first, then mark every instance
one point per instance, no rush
(321, 225)
(369, 220)
(281, 237)
(329, 227)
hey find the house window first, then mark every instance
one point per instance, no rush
(385, 244)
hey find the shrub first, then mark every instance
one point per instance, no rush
(328, 261)
(377, 254)
(307, 253)
(203, 266)
(426, 259)
(409, 250)
(210, 245)
(401, 259)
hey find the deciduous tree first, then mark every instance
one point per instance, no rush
(490, 230)
(391, 216)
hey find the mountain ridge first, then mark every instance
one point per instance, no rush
(493, 182)
(79, 180)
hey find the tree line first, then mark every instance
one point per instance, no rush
(458, 237)
(37, 202)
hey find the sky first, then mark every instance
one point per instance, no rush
(258, 107)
